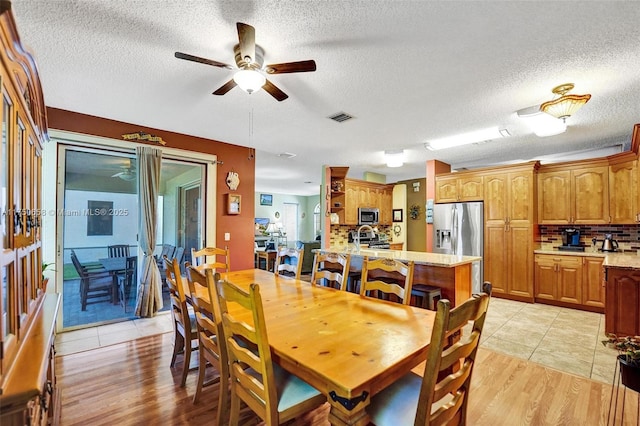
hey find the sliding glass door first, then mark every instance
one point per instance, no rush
(98, 189)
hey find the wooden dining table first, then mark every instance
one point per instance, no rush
(347, 346)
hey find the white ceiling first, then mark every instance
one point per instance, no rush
(408, 71)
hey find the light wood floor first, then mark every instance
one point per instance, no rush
(131, 383)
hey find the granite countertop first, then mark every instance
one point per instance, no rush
(625, 260)
(418, 257)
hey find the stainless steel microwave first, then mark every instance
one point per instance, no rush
(368, 216)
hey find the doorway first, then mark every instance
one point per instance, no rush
(98, 189)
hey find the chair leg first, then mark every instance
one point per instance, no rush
(223, 398)
(178, 345)
(234, 412)
(202, 366)
(187, 361)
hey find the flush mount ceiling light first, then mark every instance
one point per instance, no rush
(249, 80)
(564, 105)
(394, 158)
(540, 123)
(476, 136)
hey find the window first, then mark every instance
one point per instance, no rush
(317, 227)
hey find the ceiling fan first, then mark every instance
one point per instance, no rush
(249, 59)
(128, 173)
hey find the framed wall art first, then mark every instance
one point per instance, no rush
(397, 215)
(266, 199)
(233, 203)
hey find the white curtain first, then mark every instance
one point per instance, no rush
(149, 299)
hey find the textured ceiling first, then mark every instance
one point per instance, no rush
(408, 71)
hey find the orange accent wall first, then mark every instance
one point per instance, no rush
(237, 158)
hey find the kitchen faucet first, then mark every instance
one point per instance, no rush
(356, 238)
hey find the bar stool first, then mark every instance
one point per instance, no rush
(429, 295)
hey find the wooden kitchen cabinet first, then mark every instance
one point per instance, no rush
(453, 189)
(593, 284)
(360, 193)
(622, 315)
(509, 232)
(572, 281)
(623, 192)
(558, 278)
(575, 196)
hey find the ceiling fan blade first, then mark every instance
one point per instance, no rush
(225, 87)
(188, 57)
(289, 67)
(271, 88)
(247, 38)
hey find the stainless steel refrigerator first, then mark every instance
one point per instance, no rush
(459, 229)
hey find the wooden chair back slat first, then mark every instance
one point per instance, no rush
(118, 250)
(211, 341)
(449, 391)
(211, 258)
(289, 254)
(403, 292)
(256, 385)
(184, 330)
(319, 274)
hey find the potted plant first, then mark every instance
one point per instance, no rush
(628, 348)
(45, 280)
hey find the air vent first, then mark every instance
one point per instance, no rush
(341, 117)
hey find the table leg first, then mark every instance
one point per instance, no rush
(348, 411)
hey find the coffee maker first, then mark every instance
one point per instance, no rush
(571, 237)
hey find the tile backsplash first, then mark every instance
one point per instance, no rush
(340, 233)
(627, 236)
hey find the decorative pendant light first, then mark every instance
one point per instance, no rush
(249, 80)
(565, 105)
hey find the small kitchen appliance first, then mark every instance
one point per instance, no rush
(609, 244)
(571, 240)
(368, 216)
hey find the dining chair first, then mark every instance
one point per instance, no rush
(211, 342)
(441, 395)
(127, 279)
(288, 262)
(96, 285)
(389, 273)
(118, 250)
(220, 260)
(330, 269)
(184, 321)
(275, 395)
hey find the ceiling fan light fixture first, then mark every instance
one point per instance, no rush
(475, 136)
(540, 123)
(394, 158)
(249, 80)
(564, 105)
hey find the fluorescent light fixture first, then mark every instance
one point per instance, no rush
(394, 158)
(249, 80)
(541, 123)
(476, 136)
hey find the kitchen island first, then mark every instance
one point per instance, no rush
(451, 273)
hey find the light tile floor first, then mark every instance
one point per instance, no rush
(564, 339)
(560, 338)
(110, 334)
